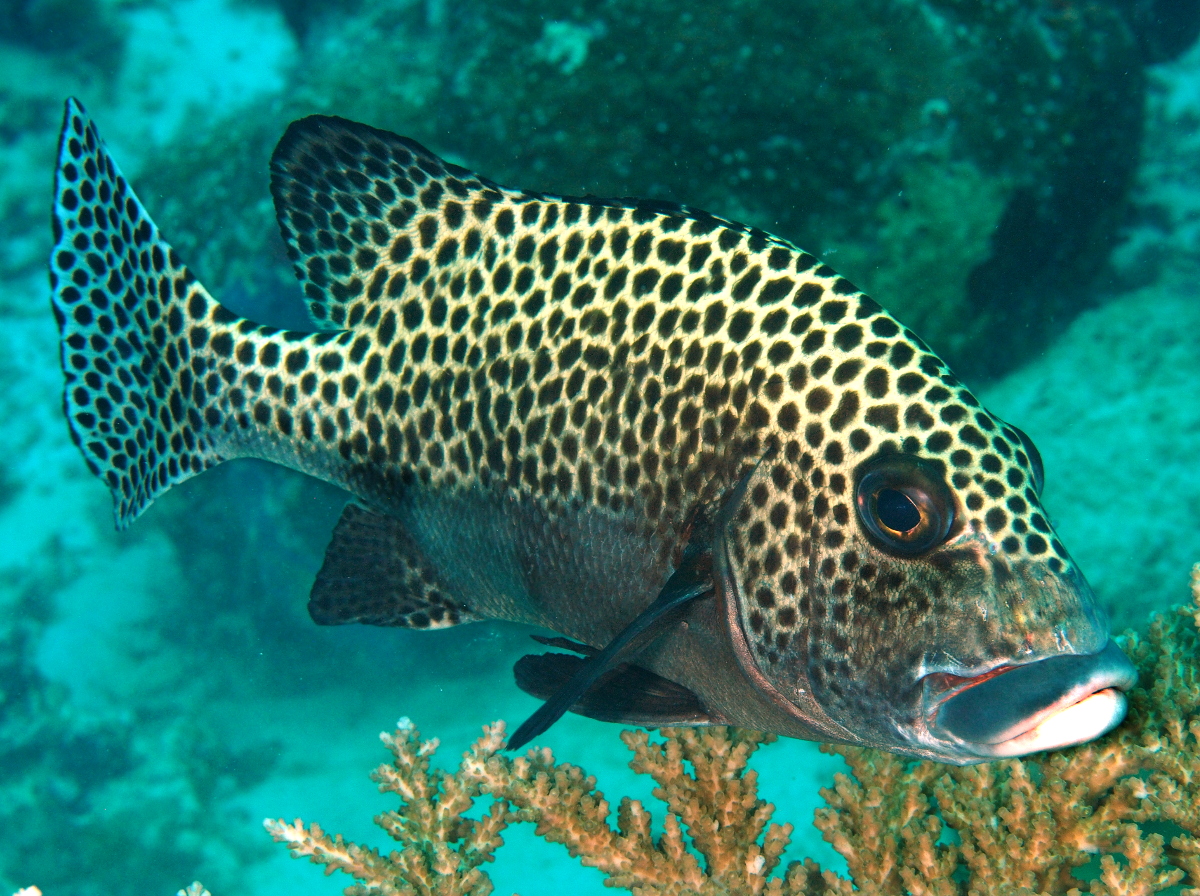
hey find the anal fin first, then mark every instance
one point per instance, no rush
(626, 694)
(376, 575)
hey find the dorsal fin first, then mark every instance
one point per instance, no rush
(367, 214)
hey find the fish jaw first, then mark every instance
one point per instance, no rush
(1052, 678)
(1014, 710)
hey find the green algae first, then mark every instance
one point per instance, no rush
(872, 129)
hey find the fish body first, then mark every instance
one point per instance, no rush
(632, 423)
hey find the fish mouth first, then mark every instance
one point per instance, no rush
(1047, 704)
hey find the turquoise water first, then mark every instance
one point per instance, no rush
(162, 689)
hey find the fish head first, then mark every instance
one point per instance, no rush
(906, 584)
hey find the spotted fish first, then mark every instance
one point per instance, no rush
(737, 490)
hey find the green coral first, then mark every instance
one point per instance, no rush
(931, 235)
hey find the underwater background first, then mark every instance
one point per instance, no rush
(1018, 181)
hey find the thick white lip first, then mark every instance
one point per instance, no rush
(1077, 723)
(1048, 704)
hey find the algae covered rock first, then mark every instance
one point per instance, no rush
(1002, 135)
(88, 30)
(968, 162)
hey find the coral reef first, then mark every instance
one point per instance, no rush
(1116, 817)
(818, 114)
(88, 30)
(1163, 233)
(139, 794)
(713, 809)
(127, 796)
(819, 123)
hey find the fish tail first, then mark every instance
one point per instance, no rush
(142, 391)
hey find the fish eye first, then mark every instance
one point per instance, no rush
(1035, 459)
(896, 510)
(904, 504)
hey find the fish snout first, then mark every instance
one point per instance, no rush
(1047, 704)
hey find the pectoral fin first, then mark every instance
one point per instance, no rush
(692, 580)
(626, 693)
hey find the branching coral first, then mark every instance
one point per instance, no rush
(712, 807)
(1117, 817)
(442, 848)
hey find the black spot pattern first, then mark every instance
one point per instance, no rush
(629, 358)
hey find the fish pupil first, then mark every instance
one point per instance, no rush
(896, 510)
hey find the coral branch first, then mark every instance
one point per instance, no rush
(442, 847)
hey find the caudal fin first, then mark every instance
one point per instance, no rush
(139, 390)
